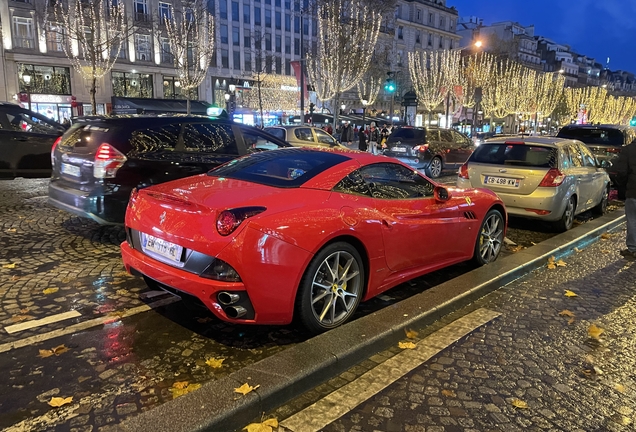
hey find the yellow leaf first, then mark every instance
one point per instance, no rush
(406, 345)
(594, 332)
(25, 310)
(561, 263)
(258, 427)
(214, 362)
(569, 293)
(566, 312)
(9, 266)
(50, 290)
(182, 387)
(551, 259)
(122, 292)
(577, 250)
(11, 230)
(619, 388)
(571, 321)
(551, 266)
(517, 403)
(60, 349)
(19, 318)
(45, 353)
(448, 393)
(180, 384)
(411, 334)
(605, 236)
(58, 401)
(271, 422)
(245, 389)
(605, 251)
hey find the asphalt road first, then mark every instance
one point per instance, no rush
(96, 340)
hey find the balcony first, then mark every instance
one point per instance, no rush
(28, 43)
(143, 17)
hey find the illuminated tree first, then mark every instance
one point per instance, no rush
(347, 34)
(277, 92)
(95, 30)
(549, 90)
(500, 93)
(190, 31)
(371, 83)
(430, 73)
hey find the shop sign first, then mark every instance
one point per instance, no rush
(289, 88)
(44, 98)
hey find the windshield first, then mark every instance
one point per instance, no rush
(607, 136)
(280, 168)
(515, 154)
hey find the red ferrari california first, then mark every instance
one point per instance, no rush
(304, 232)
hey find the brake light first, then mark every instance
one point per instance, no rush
(421, 148)
(57, 141)
(463, 171)
(613, 150)
(107, 161)
(229, 220)
(514, 142)
(553, 178)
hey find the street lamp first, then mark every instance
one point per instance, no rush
(365, 102)
(26, 78)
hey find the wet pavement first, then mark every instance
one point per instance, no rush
(114, 357)
(542, 364)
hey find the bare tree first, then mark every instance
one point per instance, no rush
(190, 31)
(347, 34)
(96, 30)
(431, 74)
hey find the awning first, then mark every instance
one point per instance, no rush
(123, 105)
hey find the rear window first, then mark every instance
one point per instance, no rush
(83, 135)
(277, 132)
(408, 134)
(613, 137)
(515, 154)
(279, 168)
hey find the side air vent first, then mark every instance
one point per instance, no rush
(470, 215)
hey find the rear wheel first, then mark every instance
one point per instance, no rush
(490, 238)
(567, 220)
(601, 207)
(434, 169)
(331, 288)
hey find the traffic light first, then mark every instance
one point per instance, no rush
(312, 107)
(389, 85)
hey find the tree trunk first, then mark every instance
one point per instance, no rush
(188, 108)
(336, 111)
(260, 102)
(93, 90)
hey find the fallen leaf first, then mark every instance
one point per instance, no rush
(577, 250)
(594, 332)
(448, 393)
(56, 351)
(11, 230)
(619, 388)
(245, 389)
(551, 259)
(214, 362)
(45, 353)
(122, 292)
(58, 401)
(50, 290)
(517, 403)
(411, 334)
(180, 384)
(569, 293)
(20, 318)
(204, 320)
(571, 321)
(406, 345)
(561, 263)
(551, 266)
(533, 243)
(605, 251)
(605, 236)
(567, 313)
(182, 387)
(516, 248)
(25, 310)
(267, 426)
(9, 266)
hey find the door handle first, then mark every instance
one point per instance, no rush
(20, 139)
(386, 224)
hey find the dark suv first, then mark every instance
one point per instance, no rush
(100, 160)
(430, 149)
(26, 139)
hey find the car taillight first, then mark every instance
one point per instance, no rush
(107, 161)
(613, 150)
(421, 148)
(57, 141)
(463, 171)
(229, 220)
(553, 178)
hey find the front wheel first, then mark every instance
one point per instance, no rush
(490, 238)
(567, 220)
(434, 169)
(332, 287)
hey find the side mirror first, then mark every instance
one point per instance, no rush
(603, 163)
(441, 194)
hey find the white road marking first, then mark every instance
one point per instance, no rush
(85, 325)
(343, 400)
(40, 322)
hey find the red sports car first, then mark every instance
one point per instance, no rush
(305, 232)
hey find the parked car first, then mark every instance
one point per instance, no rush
(480, 137)
(305, 232)
(26, 139)
(432, 149)
(98, 162)
(301, 136)
(547, 178)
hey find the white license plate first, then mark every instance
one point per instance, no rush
(163, 248)
(398, 149)
(501, 181)
(70, 170)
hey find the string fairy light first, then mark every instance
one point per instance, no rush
(278, 92)
(428, 75)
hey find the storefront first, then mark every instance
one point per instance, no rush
(55, 107)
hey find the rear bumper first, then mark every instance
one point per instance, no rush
(103, 209)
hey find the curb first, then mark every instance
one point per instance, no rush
(288, 374)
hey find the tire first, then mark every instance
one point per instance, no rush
(324, 301)
(601, 207)
(567, 220)
(490, 238)
(434, 169)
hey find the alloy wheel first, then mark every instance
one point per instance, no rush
(491, 238)
(436, 167)
(568, 215)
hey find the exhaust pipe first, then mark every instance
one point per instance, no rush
(235, 311)
(226, 298)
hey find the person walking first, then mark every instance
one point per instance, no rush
(362, 140)
(346, 136)
(625, 169)
(374, 138)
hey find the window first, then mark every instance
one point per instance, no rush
(393, 181)
(278, 20)
(224, 36)
(288, 4)
(142, 47)
(257, 16)
(419, 15)
(287, 45)
(445, 135)
(141, 11)
(127, 84)
(588, 158)
(254, 141)
(268, 18)
(164, 12)
(314, 28)
(400, 32)
(23, 122)
(277, 3)
(325, 138)
(304, 134)
(430, 39)
(172, 89)
(210, 138)
(287, 67)
(268, 42)
(23, 35)
(442, 22)
(235, 11)
(297, 24)
(296, 46)
(247, 62)
(236, 36)
(278, 43)
(166, 54)
(163, 137)
(418, 37)
(353, 184)
(54, 37)
(247, 40)
(288, 22)
(430, 18)
(223, 9)
(246, 13)
(237, 60)
(306, 26)
(517, 155)
(279, 66)
(225, 61)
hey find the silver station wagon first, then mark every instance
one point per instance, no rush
(552, 179)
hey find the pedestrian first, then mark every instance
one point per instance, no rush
(362, 140)
(384, 135)
(329, 130)
(625, 169)
(346, 136)
(374, 138)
